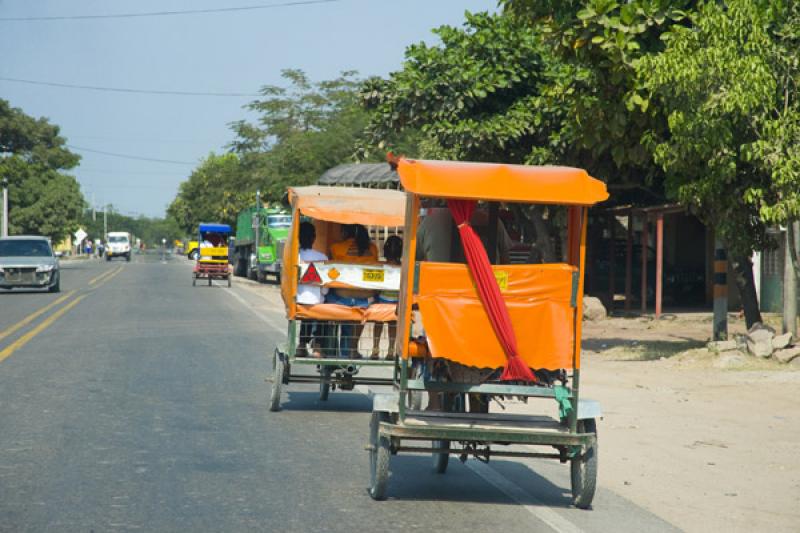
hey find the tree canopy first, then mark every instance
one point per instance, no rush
(43, 199)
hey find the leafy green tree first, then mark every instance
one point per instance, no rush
(215, 192)
(727, 85)
(43, 199)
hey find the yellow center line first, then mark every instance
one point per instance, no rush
(109, 277)
(44, 324)
(34, 315)
(106, 273)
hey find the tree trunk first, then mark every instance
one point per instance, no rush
(790, 280)
(743, 276)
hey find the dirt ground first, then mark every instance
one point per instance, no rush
(706, 445)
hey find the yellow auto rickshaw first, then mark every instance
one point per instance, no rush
(489, 331)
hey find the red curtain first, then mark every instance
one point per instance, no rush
(489, 291)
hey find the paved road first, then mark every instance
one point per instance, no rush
(138, 403)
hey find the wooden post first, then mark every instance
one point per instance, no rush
(659, 260)
(720, 291)
(644, 263)
(611, 260)
(629, 263)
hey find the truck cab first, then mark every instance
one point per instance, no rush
(260, 238)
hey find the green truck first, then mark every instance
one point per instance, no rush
(263, 230)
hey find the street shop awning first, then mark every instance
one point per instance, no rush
(348, 205)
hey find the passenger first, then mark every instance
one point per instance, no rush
(393, 252)
(309, 294)
(355, 247)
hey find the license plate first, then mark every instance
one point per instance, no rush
(373, 275)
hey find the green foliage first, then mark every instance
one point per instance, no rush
(730, 150)
(479, 95)
(214, 192)
(42, 199)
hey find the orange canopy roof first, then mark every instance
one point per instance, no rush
(350, 205)
(501, 182)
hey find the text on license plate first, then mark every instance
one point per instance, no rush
(374, 275)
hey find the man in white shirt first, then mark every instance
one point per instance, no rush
(309, 294)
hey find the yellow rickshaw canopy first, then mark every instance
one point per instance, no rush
(345, 205)
(501, 182)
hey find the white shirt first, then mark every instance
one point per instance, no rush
(306, 293)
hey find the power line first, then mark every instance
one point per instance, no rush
(126, 156)
(169, 13)
(124, 89)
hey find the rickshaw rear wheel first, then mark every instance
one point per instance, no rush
(583, 469)
(279, 367)
(194, 281)
(379, 453)
(324, 385)
(229, 281)
(441, 459)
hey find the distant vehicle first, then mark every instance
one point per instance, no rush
(118, 245)
(28, 262)
(193, 250)
(260, 237)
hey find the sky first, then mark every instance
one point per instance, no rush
(227, 52)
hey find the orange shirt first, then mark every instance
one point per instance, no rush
(346, 251)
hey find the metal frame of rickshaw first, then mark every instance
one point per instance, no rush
(214, 268)
(574, 436)
(329, 368)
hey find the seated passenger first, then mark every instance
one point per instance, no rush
(309, 294)
(393, 252)
(355, 247)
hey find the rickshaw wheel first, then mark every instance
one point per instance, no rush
(278, 366)
(583, 469)
(440, 460)
(194, 281)
(378, 457)
(324, 385)
(209, 281)
(229, 281)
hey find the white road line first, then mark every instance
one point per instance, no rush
(515, 492)
(256, 313)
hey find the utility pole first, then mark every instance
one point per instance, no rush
(94, 209)
(5, 207)
(257, 220)
(105, 224)
(720, 291)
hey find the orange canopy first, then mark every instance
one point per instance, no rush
(501, 182)
(347, 205)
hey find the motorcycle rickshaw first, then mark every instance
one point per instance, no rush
(212, 255)
(522, 318)
(338, 332)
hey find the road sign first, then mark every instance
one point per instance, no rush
(80, 235)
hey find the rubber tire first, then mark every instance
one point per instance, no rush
(379, 456)
(440, 460)
(240, 268)
(209, 281)
(128, 257)
(278, 367)
(229, 281)
(324, 387)
(108, 258)
(194, 254)
(55, 287)
(194, 281)
(583, 469)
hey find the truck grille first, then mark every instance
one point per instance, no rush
(21, 275)
(279, 249)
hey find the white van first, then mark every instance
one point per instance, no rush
(118, 244)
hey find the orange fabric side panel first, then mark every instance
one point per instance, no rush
(289, 267)
(343, 313)
(538, 300)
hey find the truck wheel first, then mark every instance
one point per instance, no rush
(241, 266)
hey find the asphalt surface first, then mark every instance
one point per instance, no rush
(136, 402)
